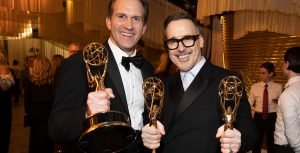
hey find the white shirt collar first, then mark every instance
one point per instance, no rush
(268, 83)
(292, 80)
(117, 52)
(195, 70)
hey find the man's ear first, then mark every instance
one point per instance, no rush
(108, 23)
(144, 28)
(201, 41)
(287, 65)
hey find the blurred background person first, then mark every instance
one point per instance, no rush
(6, 83)
(25, 72)
(287, 131)
(74, 48)
(38, 99)
(56, 60)
(263, 99)
(165, 67)
(17, 76)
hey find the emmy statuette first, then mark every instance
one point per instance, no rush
(153, 89)
(230, 92)
(108, 132)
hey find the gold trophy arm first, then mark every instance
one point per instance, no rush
(153, 116)
(222, 102)
(229, 118)
(103, 76)
(153, 90)
(90, 76)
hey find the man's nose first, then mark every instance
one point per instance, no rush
(128, 24)
(181, 47)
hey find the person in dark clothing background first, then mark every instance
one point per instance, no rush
(6, 84)
(38, 99)
(17, 76)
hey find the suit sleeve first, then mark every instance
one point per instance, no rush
(68, 110)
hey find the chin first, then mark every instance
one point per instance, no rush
(184, 69)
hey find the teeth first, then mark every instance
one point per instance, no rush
(183, 56)
(127, 34)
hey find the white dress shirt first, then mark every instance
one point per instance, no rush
(257, 92)
(188, 77)
(132, 82)
(287, 127)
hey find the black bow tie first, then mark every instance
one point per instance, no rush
(137, 61)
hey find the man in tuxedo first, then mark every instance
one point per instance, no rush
(75, 101)
(191, 120)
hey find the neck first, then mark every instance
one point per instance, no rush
(292, 74)
(129, 53)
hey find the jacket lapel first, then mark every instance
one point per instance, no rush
(173, 97)
(198, 85)
(145, 70)
(114, 75)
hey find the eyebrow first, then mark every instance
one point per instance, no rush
(181, 37)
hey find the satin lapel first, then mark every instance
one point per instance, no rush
(145, 73)
(176, 92)
(176, 89)
(115, 76)
(196, 88)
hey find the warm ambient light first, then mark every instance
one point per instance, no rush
(26, 34)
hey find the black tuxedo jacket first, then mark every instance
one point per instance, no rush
(71, 90)
(191, 118)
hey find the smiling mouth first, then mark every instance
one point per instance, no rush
(183, 56)
(127, 34)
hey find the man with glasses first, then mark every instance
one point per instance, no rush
(191, 120)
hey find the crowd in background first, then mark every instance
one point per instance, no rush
(35, 83)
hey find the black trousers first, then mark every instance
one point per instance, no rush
(265, 127)
(283, 149)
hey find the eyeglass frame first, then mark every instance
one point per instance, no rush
(194, 38)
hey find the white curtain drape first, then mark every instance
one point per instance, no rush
(212, 7)
(18, 49)
(281, 16)
(248, 20)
